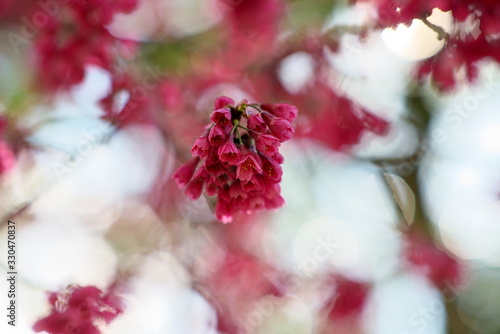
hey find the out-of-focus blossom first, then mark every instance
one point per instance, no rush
(237, 285)
(126, 103)
(79, 310)
(7, 156)
(349, 298)
(440, 267)
(474, 38)
(66, 44)
(342, 124)
(392, 13)
(459, 54)
(5, 6)
(252, 27)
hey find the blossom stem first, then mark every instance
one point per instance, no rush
(236, 124)
(254, 106)
(442, 34)
(238, 134)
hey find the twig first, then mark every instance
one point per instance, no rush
(442, 34)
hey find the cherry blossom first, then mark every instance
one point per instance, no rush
(237, 157)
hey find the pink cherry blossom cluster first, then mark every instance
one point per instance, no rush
(237, 158)
(79, 309)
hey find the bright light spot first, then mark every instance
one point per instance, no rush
(87, 257)
(469, 229)
(153, 19)
(295, 71)
(490, 138)
(418, 41)
(120, 101)
(325, 240)
(405, 304)
(467, 177)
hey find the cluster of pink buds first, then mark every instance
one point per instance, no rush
(237, 158)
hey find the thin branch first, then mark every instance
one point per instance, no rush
(442, 34)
